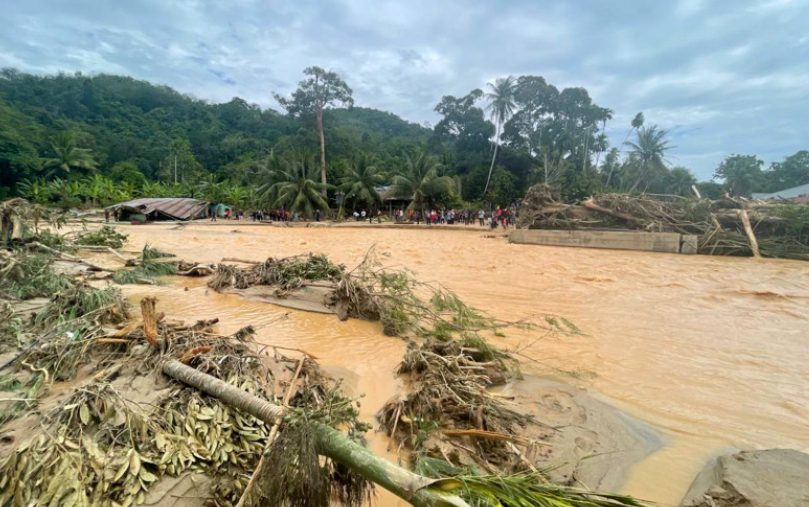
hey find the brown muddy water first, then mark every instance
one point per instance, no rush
(713, 352)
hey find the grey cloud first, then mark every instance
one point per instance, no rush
(722, 76)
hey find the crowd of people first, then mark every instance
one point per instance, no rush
(499, 217)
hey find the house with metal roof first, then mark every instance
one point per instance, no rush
(162, 208)
(798, 194)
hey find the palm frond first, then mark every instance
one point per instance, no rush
(528, 489)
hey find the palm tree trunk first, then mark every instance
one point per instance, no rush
(640, 177)
(494, 157)
(403, 483)
(319, 114)
(609, 176)
(620, 151)
(598, 155)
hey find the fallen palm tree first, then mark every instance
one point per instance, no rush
(166, 432)
(119, 436)
(727, 226)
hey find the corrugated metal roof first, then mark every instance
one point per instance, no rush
(789, 193)
(181, 208)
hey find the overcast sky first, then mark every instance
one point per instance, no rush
(724, 76)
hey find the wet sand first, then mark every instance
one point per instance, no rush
(710, 351)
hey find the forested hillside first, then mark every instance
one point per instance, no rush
(490, 146)
(122, 119)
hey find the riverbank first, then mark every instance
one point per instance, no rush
(709, 350)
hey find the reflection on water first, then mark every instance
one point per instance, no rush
(711, 350)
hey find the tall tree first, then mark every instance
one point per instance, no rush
(322, 90)
(792, 172)
(649, 153)
(501, 106)
(464, 123)
(559, 130)
(421, 182)
(742, 174)
(68, 155)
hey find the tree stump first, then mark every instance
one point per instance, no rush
(149, 314)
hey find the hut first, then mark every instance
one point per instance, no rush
(160, 209)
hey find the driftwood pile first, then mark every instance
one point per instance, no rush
(448, 413)
(727, 226)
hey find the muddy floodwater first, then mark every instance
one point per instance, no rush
(713, 352)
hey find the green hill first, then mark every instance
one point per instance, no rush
(123, 119)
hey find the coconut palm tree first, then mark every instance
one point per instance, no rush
(296, 187)
(637, 123)
(69, 155)
(649, 153)
(421, 182)
(361, 181)
(501, 106)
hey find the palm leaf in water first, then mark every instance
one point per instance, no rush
(527, 490)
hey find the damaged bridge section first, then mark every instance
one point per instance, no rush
(667, 242)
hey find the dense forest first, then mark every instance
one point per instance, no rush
(77, 138)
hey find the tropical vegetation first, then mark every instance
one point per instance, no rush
(76, 140)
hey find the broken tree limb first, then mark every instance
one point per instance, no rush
(751, 237)
(415, 489)
(149, 314)
(95, 247)
(241, 261)
(66, 256)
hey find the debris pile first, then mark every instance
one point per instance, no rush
(727, 226)
(90, 420)
(105, 236)
(118, 435)
(448, 413)
(285, 274)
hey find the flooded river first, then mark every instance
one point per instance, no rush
(711, 351)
